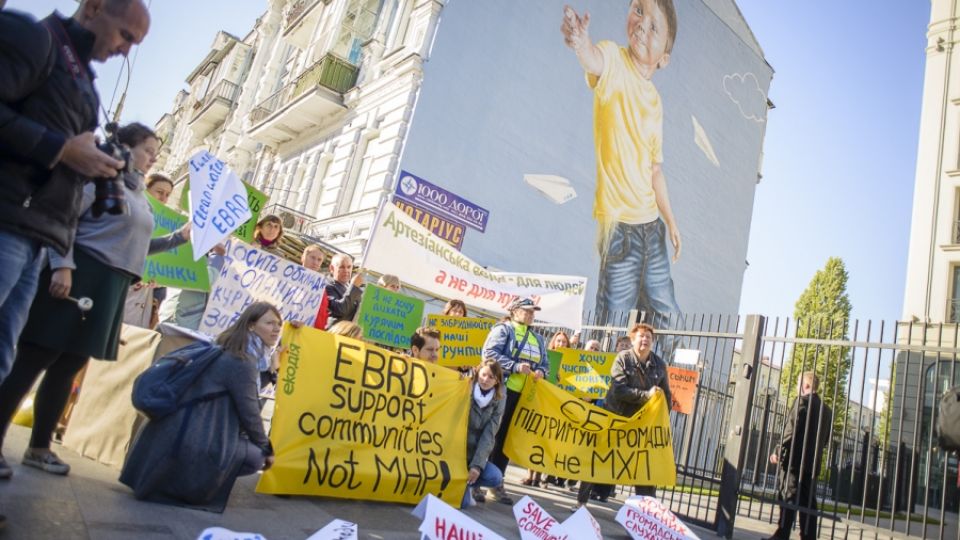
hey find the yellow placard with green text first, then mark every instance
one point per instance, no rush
(461, 339)
(556, 433)
(356, 421)
(585, 374)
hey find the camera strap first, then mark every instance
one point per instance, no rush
(59, 34)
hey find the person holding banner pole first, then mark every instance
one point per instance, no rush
(312, 259)
(519, 351)
(455, 308)
(636, 376)
(107, 256)
(268, 233)
(486, 415)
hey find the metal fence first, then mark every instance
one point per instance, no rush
(882, 474)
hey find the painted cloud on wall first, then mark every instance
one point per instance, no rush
(744, 90)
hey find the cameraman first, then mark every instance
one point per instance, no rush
(48, 111)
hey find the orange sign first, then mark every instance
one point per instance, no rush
(683, 386)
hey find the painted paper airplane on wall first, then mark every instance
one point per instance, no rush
(556, 188)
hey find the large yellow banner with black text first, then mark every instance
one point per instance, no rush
(359, 422)
(556, 433)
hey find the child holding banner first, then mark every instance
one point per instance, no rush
(486, 414)
(520, 351)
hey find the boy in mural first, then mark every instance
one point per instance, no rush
(631, 206)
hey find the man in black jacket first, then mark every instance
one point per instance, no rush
(48, 111)
(805, 437)
(345, 291)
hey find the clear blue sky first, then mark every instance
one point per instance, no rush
(840, 147)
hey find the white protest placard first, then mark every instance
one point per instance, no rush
(337, 529)
(251, 275)
(647, 518)
(580, 526)
(219, 533)
(399, 245)
(218, 202)
(442, 521)
(534, 522)
(687, 357)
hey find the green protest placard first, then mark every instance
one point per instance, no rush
(174, 268)
(389, 318)
(255, 200)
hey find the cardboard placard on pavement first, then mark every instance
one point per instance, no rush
(440, 521)
(646, 518)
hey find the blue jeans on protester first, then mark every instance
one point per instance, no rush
(19, 273)
(489, 477)
(635, 274)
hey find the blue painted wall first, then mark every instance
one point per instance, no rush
(503, 96)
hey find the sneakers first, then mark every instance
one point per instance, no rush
(479, 495)
(45, 460)
(501, 494)
(5, 471)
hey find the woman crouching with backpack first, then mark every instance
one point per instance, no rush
(194, 455)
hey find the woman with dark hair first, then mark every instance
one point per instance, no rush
(455, 308)
(486, 412)
(268, 233)
(195, 455)
(62, 334)
(159, 187)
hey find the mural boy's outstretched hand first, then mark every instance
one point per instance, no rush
(574, 29)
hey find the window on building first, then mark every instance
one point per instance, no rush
(955, 232)
(359, 23)
(953, 304)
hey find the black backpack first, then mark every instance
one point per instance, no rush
(158, 391)
(948, 421)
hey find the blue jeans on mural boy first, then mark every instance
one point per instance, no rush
(490, 477)
(635, 273)
(19, 273)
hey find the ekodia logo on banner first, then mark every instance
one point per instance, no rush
(418, 191)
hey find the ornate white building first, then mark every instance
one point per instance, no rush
(933, 265)
(312, 107)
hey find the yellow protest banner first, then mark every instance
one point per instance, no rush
(556, 433)
(461, 339)
(358, 422)
(585, 374)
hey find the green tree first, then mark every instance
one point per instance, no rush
(822, 313)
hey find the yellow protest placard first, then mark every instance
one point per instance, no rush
(358, 422)
(555, 433)
(585, 373)
(461, 339)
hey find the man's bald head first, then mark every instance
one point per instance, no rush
(117, 24)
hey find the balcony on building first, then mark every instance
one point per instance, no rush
(305, 102)
(212, 110)
(301, 18)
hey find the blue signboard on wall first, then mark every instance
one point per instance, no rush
(419, 192)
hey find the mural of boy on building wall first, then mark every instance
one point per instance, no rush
(632, 206)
